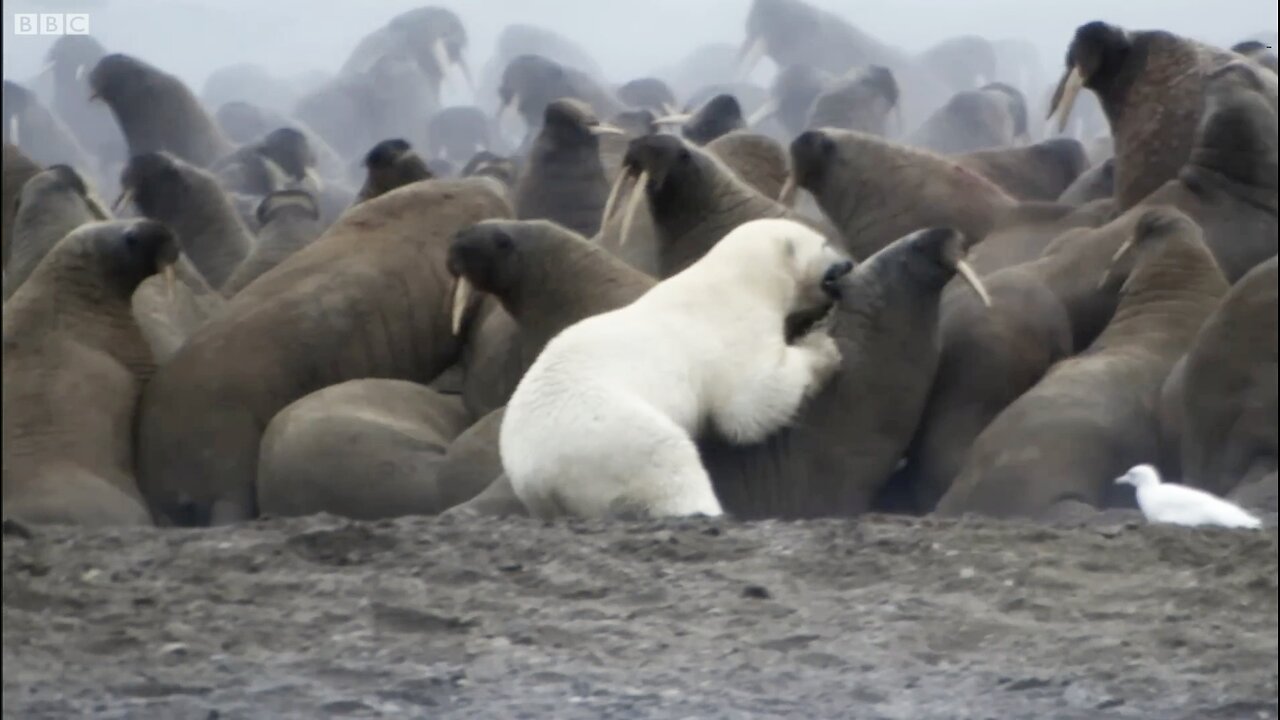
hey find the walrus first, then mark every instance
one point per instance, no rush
(170, 309)
(972, 120)
(1258, 52)
(74, 363)
(758, 160)
(281, 159)
(369, 298)
(456, 134)
(693, 197)
(289, 220)
(1095, 183)
(42, 136)
(1228, 394)
(190, 201)
(648, 93)
(1151, 85)
(53, 203)
(434, 37)
(720, 115)
(531, 82)
(563, 179)
(366, 449)
(963, 62)
(1042, 171)
(862, 99)
(1093, 416)
(391, 164)
(69, 60)
(157, 111)
(487, 164)
(520, 265)
(1052, 307)
(840, 450)
(876, 191)
(18, 169)
(791, 96)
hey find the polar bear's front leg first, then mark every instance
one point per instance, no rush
(765, 401)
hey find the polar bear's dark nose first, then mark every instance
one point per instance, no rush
(831, 278)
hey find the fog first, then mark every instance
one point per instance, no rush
(192, 39)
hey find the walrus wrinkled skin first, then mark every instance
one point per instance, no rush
(364, 449)
(74, 365)
(367, 299)
(1093, 416)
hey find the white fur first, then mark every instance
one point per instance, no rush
(1163, 502)
(603, 421)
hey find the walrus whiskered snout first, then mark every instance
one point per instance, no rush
(831, 278)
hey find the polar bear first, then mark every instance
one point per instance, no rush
(603, 422)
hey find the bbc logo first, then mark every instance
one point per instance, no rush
(51, 24)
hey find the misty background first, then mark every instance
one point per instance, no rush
(291, 37)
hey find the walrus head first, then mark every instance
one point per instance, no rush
(791, 96)
(569, 121)
(861, 100)
(437, 40)
(488, 164)
(813, 154)
(290, 150)
(529, 84)
(118, 79)
(1158, 223)
(524, 264)
(648, 94)
(669, 171)
(1150, 84)
(391, 164)
(720, 115)
(71, 57)
(129, 251)
(930, 257)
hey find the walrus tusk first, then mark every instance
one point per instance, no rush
(512, 107)
(441, 55)
(614, 193)
(313, 178)
(750, 54)
(79, 72)
(669, 109)
(168, 282)
(278, 177)
(465, 69)
(95, 206)
(48, 68)
(764, 112)
(13, 130)
(787, 195)
(633, 203)
(677, 118)
(1064, 98)
(1124, 248)
(971, 277)
(606, 129)
(123, 199)
(461, 294)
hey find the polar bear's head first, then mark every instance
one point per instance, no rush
(793, 263)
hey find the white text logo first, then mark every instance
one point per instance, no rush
(51, 24)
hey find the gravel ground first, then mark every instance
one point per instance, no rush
(881, 617)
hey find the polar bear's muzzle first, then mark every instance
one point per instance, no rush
(831, 278)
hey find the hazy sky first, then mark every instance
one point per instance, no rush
(628, 39)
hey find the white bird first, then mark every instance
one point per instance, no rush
(1163, 502)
